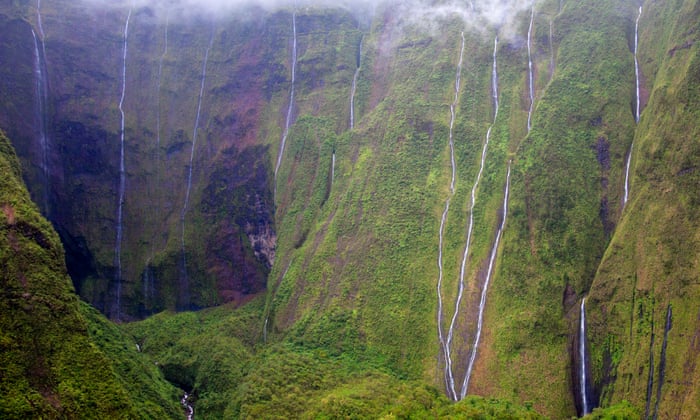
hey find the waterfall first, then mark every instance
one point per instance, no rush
(482, 164)
(291, 97)
(185, 401)
(160, 75)
(42, 98)
(194, 144)
(122, 173)
(529, 66)
(627, 176)
(333, 167)
(636, 63)
(583, 378)
(636, 109)
(449, 378)
(484, 290)
(354, 87)
(551, 51)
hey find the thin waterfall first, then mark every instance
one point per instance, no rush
(583, 378)
(160, 76)
(636, 64)
(122, 173)
(41, 93)
(470, 229)
(484, 290)
(291, 97)
(637, 107)
(449, 378)
(333, 167)
(183, 214)
(551, 51)
(354, 86)
(187, 405)
(531, 82)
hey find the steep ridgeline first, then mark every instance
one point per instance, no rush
(652, 260)
(326, 214)
(60, 359)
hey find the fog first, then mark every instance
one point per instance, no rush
(476, 13)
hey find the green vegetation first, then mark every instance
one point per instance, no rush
(327, 275)
(58, 358)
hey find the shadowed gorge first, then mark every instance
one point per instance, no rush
(301, 209)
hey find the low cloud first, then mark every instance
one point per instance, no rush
(475, 13)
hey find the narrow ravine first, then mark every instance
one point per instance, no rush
(485, 288)
(122, 174)
(531, 83)
(449, 377)
(290, 108)
(583, 375)
(637, 107)
(662, 360)
(183, 214)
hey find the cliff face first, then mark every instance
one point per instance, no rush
(53, 366)
(431, 196)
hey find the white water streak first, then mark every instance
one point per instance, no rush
(531, 82)
(185, 401)
(194, 144)
(551, 51)
(489, 274)
(449, 377)
(582, 354)
(291, 97)
(41, 92)
(354, 88)
(122, 172)
(625, 198)
(636, 63)
(333, 168)
(160, 76)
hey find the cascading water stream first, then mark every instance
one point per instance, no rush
(449, 378)
(122, 173)
(291, 96)
(531, 82)
(636, 108)
(185, 402)
(354, 87)
(333, 167)
(40, 78)
(484, 290)
(470, 229)
(636, 64)
(583, 378)
(551, 51)
(160, 76)
(183, 214)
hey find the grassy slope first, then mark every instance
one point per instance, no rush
(53, 365)
(652, 261)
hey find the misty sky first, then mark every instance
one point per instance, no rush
(490, 12)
